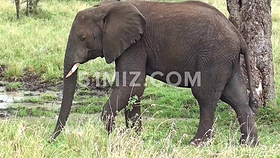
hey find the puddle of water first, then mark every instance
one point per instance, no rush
(9, 98)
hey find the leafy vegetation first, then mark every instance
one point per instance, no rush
(40, 99)
(21, 111)
(13, 86)
(36, 44)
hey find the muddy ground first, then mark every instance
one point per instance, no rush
(30, 95)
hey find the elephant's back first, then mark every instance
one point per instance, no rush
(187, 32)
(179, 9)
(177, 19)
(189, 14)
(190, 22)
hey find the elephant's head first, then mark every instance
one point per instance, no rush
(106, 31)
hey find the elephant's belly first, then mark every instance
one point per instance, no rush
(180, 79)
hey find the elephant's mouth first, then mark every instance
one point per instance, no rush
(73, 69)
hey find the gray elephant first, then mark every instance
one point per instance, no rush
(148, 37)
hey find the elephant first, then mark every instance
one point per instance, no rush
(148, 37)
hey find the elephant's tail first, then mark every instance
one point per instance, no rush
(253, 102)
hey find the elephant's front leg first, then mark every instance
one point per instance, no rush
(118, 101)
(133, 117)
(129, 83)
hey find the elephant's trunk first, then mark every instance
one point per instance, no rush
(69, 85)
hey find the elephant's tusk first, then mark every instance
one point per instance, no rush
(74, 68)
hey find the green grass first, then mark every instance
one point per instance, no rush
(84, 136)
(22, 111)
(38, 43)
(13, 86)
(170, 115)
(40, 99)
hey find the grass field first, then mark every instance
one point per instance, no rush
(36, 45)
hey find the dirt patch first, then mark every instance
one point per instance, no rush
(30, 81)
(33, 82)
(100, 85)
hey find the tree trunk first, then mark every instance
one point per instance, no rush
(27, 8)
(253, 20)
(17, 8)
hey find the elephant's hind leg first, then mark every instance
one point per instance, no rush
(235, 94)
(207, 95)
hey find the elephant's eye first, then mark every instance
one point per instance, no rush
(83, 38)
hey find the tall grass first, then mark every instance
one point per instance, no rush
(38, 43)
(84, 136)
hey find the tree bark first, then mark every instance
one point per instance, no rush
(253, 19)
(27, 8)
(17, 8)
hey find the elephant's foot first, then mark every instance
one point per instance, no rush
(109, 121)
(203, 140)
(137, 126)
(200, 142)
(250, 141)
(134, 123)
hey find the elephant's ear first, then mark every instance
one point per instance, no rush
(123, 25)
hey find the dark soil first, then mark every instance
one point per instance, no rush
(93, 86)
(33, 82)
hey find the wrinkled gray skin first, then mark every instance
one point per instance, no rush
(181, 37)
